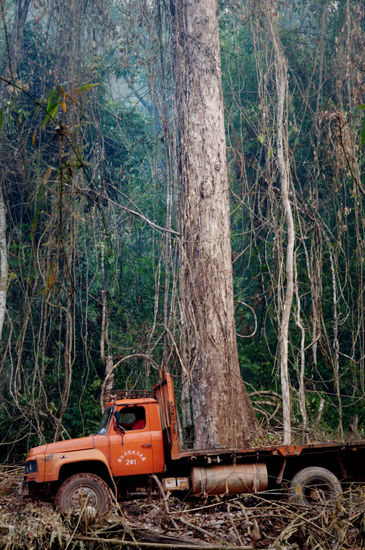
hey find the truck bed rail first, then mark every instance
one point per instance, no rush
(128, 394)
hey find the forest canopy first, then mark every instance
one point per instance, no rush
(90, 202)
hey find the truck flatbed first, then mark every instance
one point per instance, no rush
(283, 450)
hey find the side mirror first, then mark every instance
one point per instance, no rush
(119, 427)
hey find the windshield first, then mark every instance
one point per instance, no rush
(104, 423)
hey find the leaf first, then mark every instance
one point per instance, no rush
(361, 107)
(53, 110)
(52, 107)
(45, 120)
(68, 96)
(50, 99)
(47, 174)
(51, 113)
(86, 87)
(34, 137)
(63, 104)
(261, 138)
(51, 277)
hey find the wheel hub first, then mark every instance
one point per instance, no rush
(82, 497)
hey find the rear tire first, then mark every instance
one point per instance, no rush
(83, 492)
(314, 485)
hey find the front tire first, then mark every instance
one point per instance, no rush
(314, 485)
(82, 491)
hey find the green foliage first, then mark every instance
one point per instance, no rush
(100, 143)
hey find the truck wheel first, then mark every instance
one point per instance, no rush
(314, 485)
(82, 491)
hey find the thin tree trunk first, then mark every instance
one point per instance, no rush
(336, 344)
(106, 358)
(14, 46)
(223, 414)
(3, 262)
(284, 169)
(301, 366)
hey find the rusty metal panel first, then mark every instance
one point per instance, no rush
(229, 479)
(290, 450)
(165, 396)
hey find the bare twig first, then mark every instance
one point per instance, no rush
(164, 499)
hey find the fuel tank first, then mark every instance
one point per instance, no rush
(229, 479)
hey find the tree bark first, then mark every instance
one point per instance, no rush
(223, 413)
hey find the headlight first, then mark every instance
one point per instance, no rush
(31, 467)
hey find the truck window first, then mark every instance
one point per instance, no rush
(133, 418)
(104, 423)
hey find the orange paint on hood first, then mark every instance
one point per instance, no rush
(68, 445)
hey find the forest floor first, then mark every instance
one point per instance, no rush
(245, 522)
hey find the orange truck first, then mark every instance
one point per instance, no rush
(138, 437)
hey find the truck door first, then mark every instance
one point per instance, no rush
(131, 453)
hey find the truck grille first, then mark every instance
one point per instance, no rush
(31, 467)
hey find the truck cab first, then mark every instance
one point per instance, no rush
(134, 434)
(130, 444)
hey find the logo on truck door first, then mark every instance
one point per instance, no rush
(129, 458)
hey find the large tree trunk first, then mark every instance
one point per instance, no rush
(223, 414)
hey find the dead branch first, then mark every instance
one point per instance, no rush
(200, 530)
(164, 499)
(160, 545)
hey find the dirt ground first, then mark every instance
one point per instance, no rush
(245, 522)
